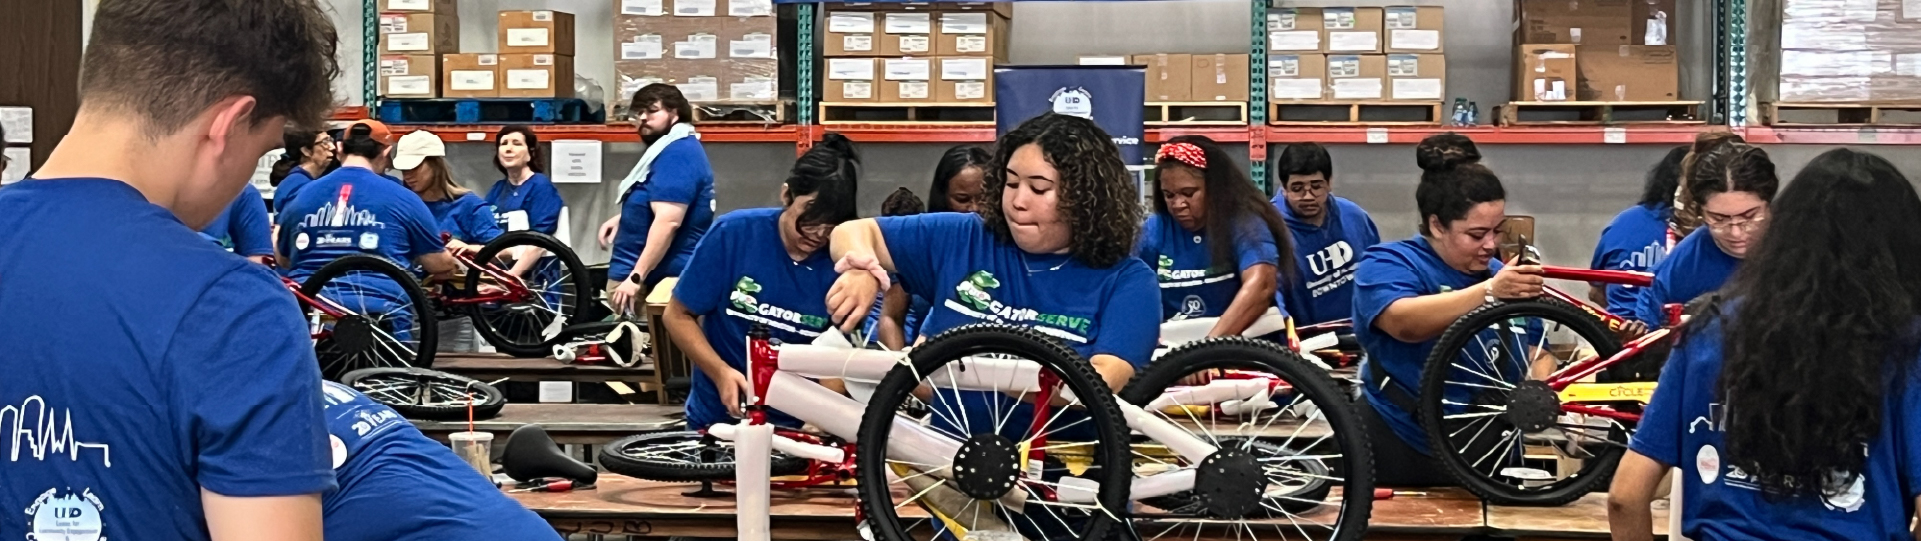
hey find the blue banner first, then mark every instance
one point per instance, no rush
(1111, 96)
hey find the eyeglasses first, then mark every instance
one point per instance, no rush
(1318, 186)
(1743, 222)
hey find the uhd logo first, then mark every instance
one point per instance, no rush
(1076, 101)
(1333, 257)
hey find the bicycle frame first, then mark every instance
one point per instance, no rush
(1564, 380)
(325, 307)
(512, 288)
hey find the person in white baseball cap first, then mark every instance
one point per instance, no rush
(467, 218)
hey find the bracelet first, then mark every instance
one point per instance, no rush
(1488, 293)
(867, 263)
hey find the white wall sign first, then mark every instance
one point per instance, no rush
(577, 162)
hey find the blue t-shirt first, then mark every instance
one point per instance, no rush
(537, 197)
(290, 187)
(468, 218)
(1682, 428)
(1390, 272)
(746, 277)
(121, 403)
(972, 277)
(1325, 257)
(1636, 240)
(354, 211)
(1192, 286)
(398, 485)
(680, 174)
(1693, 268)
(243, 229)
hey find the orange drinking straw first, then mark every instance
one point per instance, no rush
(470, 411)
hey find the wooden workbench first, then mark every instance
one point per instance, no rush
(1586, 518)
(489, 367)
(588, 424)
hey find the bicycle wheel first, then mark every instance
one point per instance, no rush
(383, 317)
(1271, 405)
(981, 472)
(557, 284)
(681, 456)
(1493, 421)
(427, 395)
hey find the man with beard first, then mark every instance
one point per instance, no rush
(666, 203)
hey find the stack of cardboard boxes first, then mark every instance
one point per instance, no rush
(1189, 78)
(715, 51)
(420, 54)
(1595, 50)
(914, 53)
(413, 35)
(1356, 54)
(1835, 51)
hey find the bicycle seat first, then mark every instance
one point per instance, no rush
(531, 454)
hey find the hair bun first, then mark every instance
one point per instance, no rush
(841, 145)
(1445, 152)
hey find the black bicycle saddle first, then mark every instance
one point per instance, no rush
(531, 454)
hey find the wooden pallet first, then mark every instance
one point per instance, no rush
(1842, 114)
(1355, 113)
(1196, 113)
(953, 114)
(1594, 113)
(489, 111)
(743, 113)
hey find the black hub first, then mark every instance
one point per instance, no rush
(353, 334)
(1229, 483)
(1533, 406)
(986, 466)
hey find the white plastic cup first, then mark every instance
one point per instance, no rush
(476, 449)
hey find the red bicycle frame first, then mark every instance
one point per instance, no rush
(1582, 369)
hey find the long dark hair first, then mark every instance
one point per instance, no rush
(1097, 194)
(1826, 319)
(1232, 201)
(951, 164)
(536, 158)
(1453, 180)
(294, 143)
(1658, 189)
(831, 173)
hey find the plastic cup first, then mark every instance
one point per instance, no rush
(476, 449)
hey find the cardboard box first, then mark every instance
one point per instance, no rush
(1219, 77)
(748, 39)
(1413, 29)
(851, 80)
(1294, 30)
(537, 32)
(1417, 77)
(1169, 76)
(429, 6)
(410, 76)
(1004, 9)
(1572, 22)
(470, 75)
(851, 33)
(965, 80)
(755, 81)
(536, 76)
(419, 33)
(700, 81)
(906, 5)
(1652, 22)
(1628, 73)
(1296, 76)
(1357, 76)
(906, 80)
(1351, 30)
(906, 33)
(1544, 73)
(975, 33)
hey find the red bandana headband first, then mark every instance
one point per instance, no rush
(1187, 153)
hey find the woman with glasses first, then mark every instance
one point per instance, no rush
(1329, 235)
(306, 155)
(1214, 242)
(1729, 186)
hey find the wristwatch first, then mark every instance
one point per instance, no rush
(636, 279)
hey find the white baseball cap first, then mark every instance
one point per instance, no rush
(415, 147)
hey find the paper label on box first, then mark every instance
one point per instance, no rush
(850, 22)
(1907, 65)
(543, 16)
(1357, 89)
(909, 23)
(1417, 89)
(1402, 17)
(1403, 65)
(750, 48)
(408, 42)
(750, 8)
(393, 24)
(488, 60)
(913, 90)
(1296, 89)
(543, 60)
(18, 123)
(1284, 66)
(526, 37)
(1337, 18)
(1353, 41)
(907, 69)
(963, 23)
(698, 46)
(472, 80)
(857, 43)
(970, 90)
(694, 8)
(914, 44)
(410, 5)
(394, 66)
(1343, 66)
(861, 69)
(963, 69)
(645, 8)
(410, 85)
(857, 90)
(1295, 40)
(1280, 20)
(1910, 9)
(1426, 40)
(753, 88)
(528, 80)
(699, 89)
(642, 48)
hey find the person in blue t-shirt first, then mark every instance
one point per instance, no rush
(959, 178)
(1637, 238)
(896, 317)
(157, 386)
(1329, 234)
(666, 203)
(762, 267)
(1789, 402)
(1731, 186)
(244, 228)
(1215, 244)
(396, 484)
(305, 155)
(465, 218)
(524, 198)
(1406, 293)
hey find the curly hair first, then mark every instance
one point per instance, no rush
(902, 202)
(1824, 324)
(1687, 213)
(1233, 203)
(1098, 197)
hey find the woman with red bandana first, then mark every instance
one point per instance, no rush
(1216, 246)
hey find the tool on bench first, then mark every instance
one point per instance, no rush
(551, 484)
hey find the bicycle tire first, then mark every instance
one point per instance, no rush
(429, 339)
(1433, 381)
(619, 457)
(570, 262)
(488, 406)
(1309, 380)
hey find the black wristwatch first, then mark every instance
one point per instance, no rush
(635, 279)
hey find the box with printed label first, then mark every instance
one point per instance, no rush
(906, 33)
(906, 80)
(410, 76)
(699, 80)
(1357, 77)
(536, 76)
(971, 33)
(1351, 30)
(550, 32)
(851, 33)
(1219, 77)
(470, 75)
(750, 38)
(419, 33)
(965, 80)
(1296, 76)
(640, 8)
(1573, 22)
(1170, 77)
(1544, 73)
(430, 6)
(1652, 22)
(1628, 73)
(1412, 29)
(756, 81)
(1294, 30)
(1417, 77)
(851, 79)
